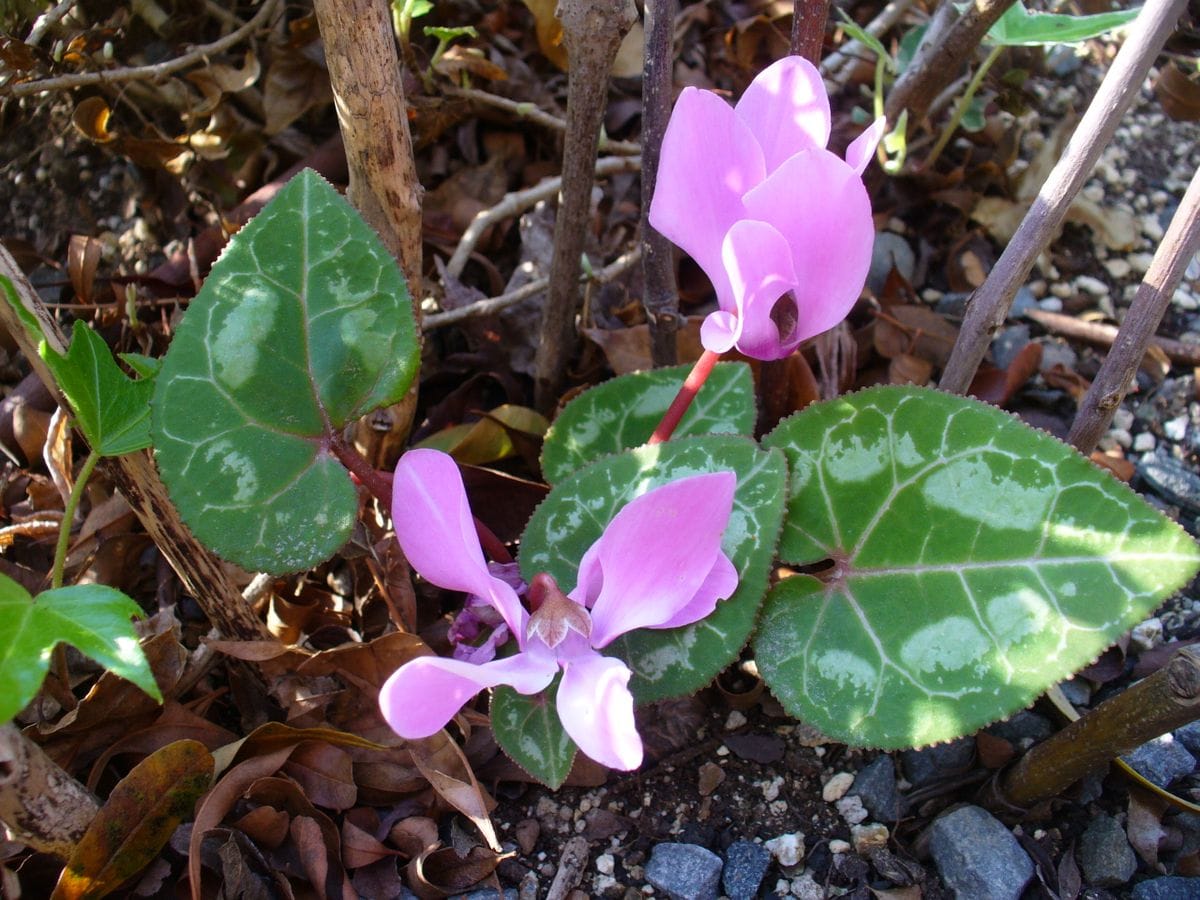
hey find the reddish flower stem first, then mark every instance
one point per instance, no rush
(492, 545)
(691, 387)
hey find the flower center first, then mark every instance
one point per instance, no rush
(786, 315)
(554, 613)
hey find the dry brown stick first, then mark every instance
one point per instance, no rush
(539, 117)
(808, 28)
(1179, 245)
(1106, 335)
(203, 575)
(44, 807)
(988, 308)
(660, 295)
(592, 32)
(1155, 705)
(143, 73)
(360, 51)
(931, 71)
(511, 298)
(517, 202)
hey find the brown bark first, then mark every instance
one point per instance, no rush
(660, 295)
(942, 60)
(201, 572)
(1179, 245)
(989, 306)
(40, 803)
(808, 28)
(592, 32)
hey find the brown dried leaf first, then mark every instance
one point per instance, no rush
(83, 257)
(548, 30)
(446, 769)
(909, 369)
(325, 773)
(915, 330)
(138, 818)
(414, 835)
(266, 826)
(294, 85)
(997, 386)
(440, 873)
(56, 453)
(628, 349)
(268, 738)
(361, 849)
(91, 117)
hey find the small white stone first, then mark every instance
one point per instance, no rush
(1122, 437)
(1144, 442)
(1122, 418)
(604, 863)
(931, 295)
(868, 837)
(722, 750)
(1050, 304)
(1185, 299)
(777, 807)
(837, 787)
(851, 809)
(1140, 262)
(1091, 285)
(806, 888)
(1094, 192)
(1060, 290)
(1176, 429)
(1118, 268)
(788, 849)
(1147, 635)
(839, 846)
(735, 720)
(604, 884)
(1151, 227)
(783, 887)
(771, 788)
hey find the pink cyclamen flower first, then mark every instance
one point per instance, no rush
(658, 564)
(781, 226)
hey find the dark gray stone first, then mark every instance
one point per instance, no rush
(1022, 303)
(1170, 887)
(953, 305)
(890, 250)
(1008, 344)
(1161, 760)
(1189, 736)
(876, 787)
(1104, 853)
(487, 894)
(1023, 729)
(684, 871)
(1172, 481)
(931, 763)
(745, 865)
(977, 857)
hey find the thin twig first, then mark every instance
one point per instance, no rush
(989, 307)
(518, 201)
(832, 65)
(808, 28)
(503, 301)
(1180, 243)
(538, 117)
(143, 73)
(46, 21)
(1106, 336)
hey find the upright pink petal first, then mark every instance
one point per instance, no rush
(720, 330)
(709, 160)
(862, 148)
(424, 694)
(787, 109)
(437, 533)
(596, 709)
(819, 204)
(654, 555)
(761, 277)
(721, 582)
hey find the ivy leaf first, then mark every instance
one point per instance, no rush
(93, 618)
(111, 409)
(303, 326)
(677, 661)
(976, 562)
(528, 729)
(622, 413)
(1018, 27)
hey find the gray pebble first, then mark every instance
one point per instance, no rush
(931, 763)
(685, 871)
(1161, 760)
(977, 857)
(1172, 481)
(1023, 729)
(1078, 691)
(1008, 344)
(1170, 887)
(745, 865)
(1189, 736)
(1022, 302)
(1104, 853)
(953, 305)
(890, 251)
(876, 787)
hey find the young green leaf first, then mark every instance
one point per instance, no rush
(676, 661)
(528, 729)
(111, 409)
(91, 617)
(621, 413)
(303, 326)
(1018, 27)
(975, 562)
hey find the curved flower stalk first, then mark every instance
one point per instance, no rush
(658, 564)
(781, 226)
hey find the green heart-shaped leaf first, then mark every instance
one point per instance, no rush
(676, 661)
(303, 326)
(976, 562)
(90, 617)
(1018, 27)
(528, 729)
(622, 413)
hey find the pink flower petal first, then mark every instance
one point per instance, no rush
(720, 584)
(596, 709)
(709, 160)
(862, 148)
(720, 331)
(655, 554)
(437, 533)
(819, 204)
(424, 694)
(787, 109)
(759, 262)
